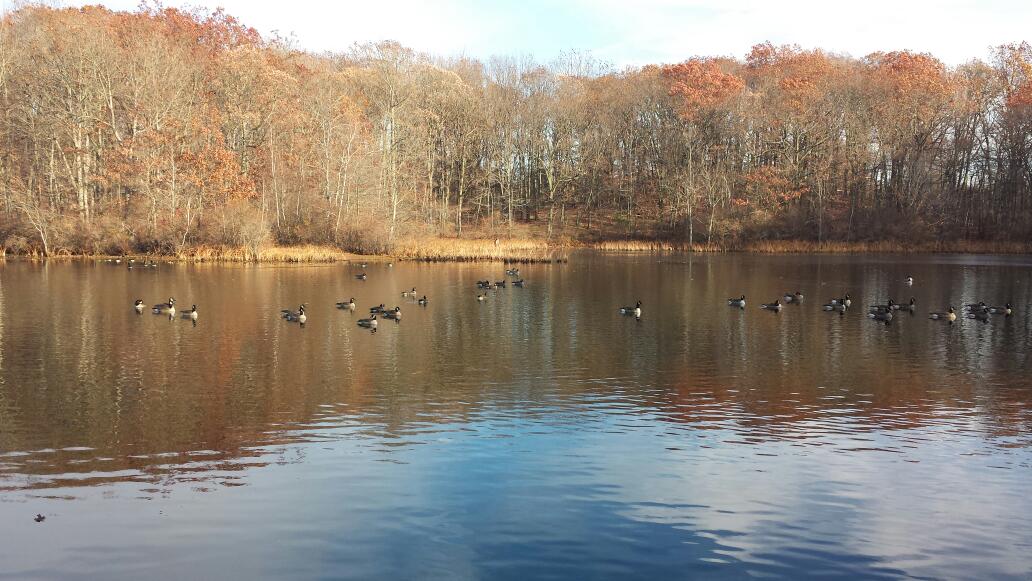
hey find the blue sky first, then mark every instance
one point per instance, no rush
(624, 32)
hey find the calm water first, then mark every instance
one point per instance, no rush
(536, 435)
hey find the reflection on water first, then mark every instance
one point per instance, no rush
(535, 434)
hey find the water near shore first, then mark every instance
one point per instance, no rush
(536, 434)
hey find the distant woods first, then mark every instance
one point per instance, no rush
(162, 130)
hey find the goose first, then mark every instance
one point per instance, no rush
(518, 283)
(889, 306)
(379, 309)
(481, 297)
(974, 306)
(191, 314)
(484, 283)
(423, 301)
(361, 276)
(169, 307)
(512, 271)
(980, 315)
(909, 281)
(885, 316)
(138, 305)
(950, 315)
(911, 306)
(395, 314)
(500, 284)
(411, 293)
(740, 302)
(836, 305)
(298, 316)
(390, 265)
(635, 310)
(370, 322)
(349, 305)
(1004, 310)
(845, 301)
(363, 265)
(789, 297)
(775, 306)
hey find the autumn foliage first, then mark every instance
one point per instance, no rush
(166, 130)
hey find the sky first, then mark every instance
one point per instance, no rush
(627, 33)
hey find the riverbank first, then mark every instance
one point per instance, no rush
(810, 247)
(539, 250)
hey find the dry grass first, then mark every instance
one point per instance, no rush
(470, 249)
(652, 246)
(890, 246)
(805, 246)
(303, 253)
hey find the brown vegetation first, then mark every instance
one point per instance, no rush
(186, 134)
(462, 249)
(813, 247)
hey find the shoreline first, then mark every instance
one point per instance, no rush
(528, 251)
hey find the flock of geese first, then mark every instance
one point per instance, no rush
(301, 317)
(883, 313)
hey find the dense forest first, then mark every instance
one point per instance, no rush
(162, 130)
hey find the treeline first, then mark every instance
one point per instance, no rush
(162, 130)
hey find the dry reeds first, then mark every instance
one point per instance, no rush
(474, 249)
(305, 253)
(811, 247)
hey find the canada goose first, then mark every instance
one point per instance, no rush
(974, 306)
(518, 283)
(1004, 310)
(361, 276)
(481, 297)
(191, 314)
(909, 281)
(885, 316)
(836, 305)
(138, 305)
(379, 309)
(500, 284)
(740, 302)
(484, 283)
(349, 305)
(635, 310)
(980, 315)
(788, 297)
(423, 301)
(390, 265)
(889, 306)
(845, 301)
(169, 307)
(911, 306)
(395, 314)
(370, 322)
(298, 316)
(950, 315)
(411, 293)
(512, 271)
(775, 306)
(39, 518)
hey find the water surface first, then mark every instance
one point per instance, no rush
(538, 434)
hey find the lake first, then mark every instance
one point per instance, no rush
(536, 434)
